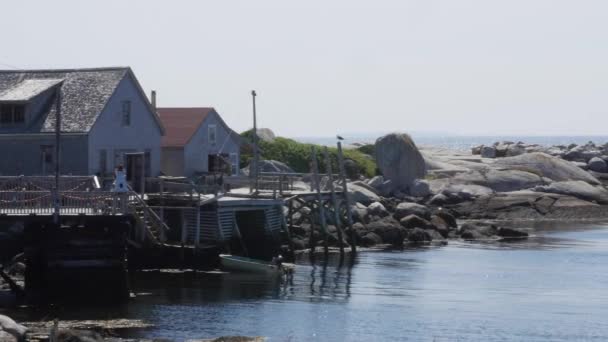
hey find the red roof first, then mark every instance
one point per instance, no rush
(181, 124)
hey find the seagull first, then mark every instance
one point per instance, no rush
(339, 137)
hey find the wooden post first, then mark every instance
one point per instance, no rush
(349, 216)
(289, 228)
(197, 239)
(315, 169)
(184, 227)
(162, 200)
(333, 198)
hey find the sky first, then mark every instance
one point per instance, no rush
(477, 67)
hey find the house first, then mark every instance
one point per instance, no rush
(197, 141)
(106, 120)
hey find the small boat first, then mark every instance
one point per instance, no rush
(244, 264)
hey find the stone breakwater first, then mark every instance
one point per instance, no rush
(469, 196)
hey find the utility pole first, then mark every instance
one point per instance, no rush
(57, 149)
(253, 169)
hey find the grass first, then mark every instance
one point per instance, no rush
(298, 155)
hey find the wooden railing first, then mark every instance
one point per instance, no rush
(70, 202)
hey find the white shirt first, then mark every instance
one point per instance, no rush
(120, 183)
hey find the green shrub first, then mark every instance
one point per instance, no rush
(297, 155)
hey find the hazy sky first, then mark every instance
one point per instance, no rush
(321, 67)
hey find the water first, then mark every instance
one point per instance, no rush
(552, 287)
(463, 142)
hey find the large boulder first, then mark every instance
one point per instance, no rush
(389, 229)
(578, 189)
(488, 152)
(597, 164)
(547, 166)
(501, 180)
(266, 134)
(362, 194)
(9, 326)
(406, 208)
(399, 159)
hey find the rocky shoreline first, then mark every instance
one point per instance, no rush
(431, 195)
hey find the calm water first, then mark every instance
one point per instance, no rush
(553, 287)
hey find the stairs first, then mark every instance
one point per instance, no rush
(150, 229)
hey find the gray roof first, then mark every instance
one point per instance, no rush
(84, 94)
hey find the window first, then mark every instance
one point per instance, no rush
(126, 113)
(147, 163)
(234, 164)
(11, 114)
(212, 135)
(103, 162)
(46, 158)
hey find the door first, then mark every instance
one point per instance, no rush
(135, 166)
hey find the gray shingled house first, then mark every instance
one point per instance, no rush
(105, 119)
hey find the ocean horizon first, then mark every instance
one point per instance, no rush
(462, 142)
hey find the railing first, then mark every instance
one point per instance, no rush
(70, 202)
(47, 183)
(136, 202)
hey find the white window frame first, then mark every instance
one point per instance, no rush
(234, 164)
(125, 111)
(212, 132)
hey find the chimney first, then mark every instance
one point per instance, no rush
(153, 99)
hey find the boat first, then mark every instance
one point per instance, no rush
(244, 264)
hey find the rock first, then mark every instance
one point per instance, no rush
(352, 169)
(547, 166)
(578, 189)
(488, 152)
(511, 233)
(420, 188)
(581, 165)
(598, 165)
(477, 230)
(366, 186)
(361, 194)
(299, 244)
(266, 134)
(418, 236)
(500, 180)
(447, 218)
(501, 150)
(440, 225)
(13, 328)
(414, 221)
(360, 213)
(435, 235)
(476, 150)
(389, 230)
(439, 200)
(399, 159)
(377, 209)
(370, 239)
(376, 182)
(582, 153)
(406, 208)
(515, 150)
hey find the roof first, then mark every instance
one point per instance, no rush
(28, 89)
(84, 94)
(181, 124)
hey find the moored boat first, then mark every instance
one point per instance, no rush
(244, 264)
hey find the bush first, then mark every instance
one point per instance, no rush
(297, 155)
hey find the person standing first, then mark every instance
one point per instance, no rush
(121, 187)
